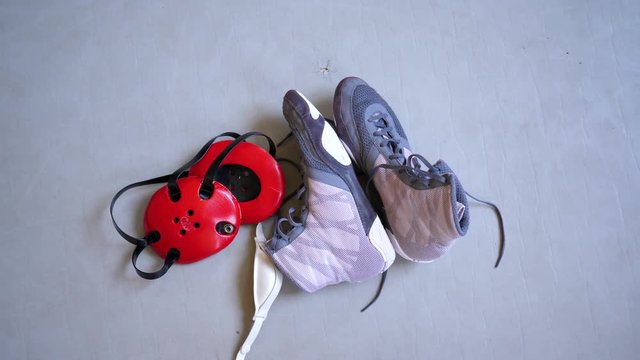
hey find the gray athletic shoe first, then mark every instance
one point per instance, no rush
(425, 205)
(337, 235)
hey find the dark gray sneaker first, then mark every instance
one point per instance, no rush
(337, 236)
(425, 205)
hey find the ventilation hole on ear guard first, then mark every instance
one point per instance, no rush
(190, 212)
(196, 225)
(176, 220)
(183, 232)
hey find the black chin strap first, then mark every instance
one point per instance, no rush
(134, 240)
(150, 238)
(295, 191)
(172, 256)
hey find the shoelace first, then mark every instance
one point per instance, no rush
(289, 220)
(414, 170)
(382, 123)
(297, 193)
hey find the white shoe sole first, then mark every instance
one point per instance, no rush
(380, 240)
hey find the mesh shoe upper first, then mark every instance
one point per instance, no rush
(337, 235)
(333, 246)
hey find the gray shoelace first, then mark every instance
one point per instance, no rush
(413, 170)
(289, 220)
(384, 131)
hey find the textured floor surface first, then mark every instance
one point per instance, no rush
(535, 104)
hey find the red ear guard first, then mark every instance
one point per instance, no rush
(251, 173)
(194, 217)
(198, 228)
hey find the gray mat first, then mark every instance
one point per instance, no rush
(533, 103)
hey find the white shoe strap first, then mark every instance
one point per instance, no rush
(253, 334)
